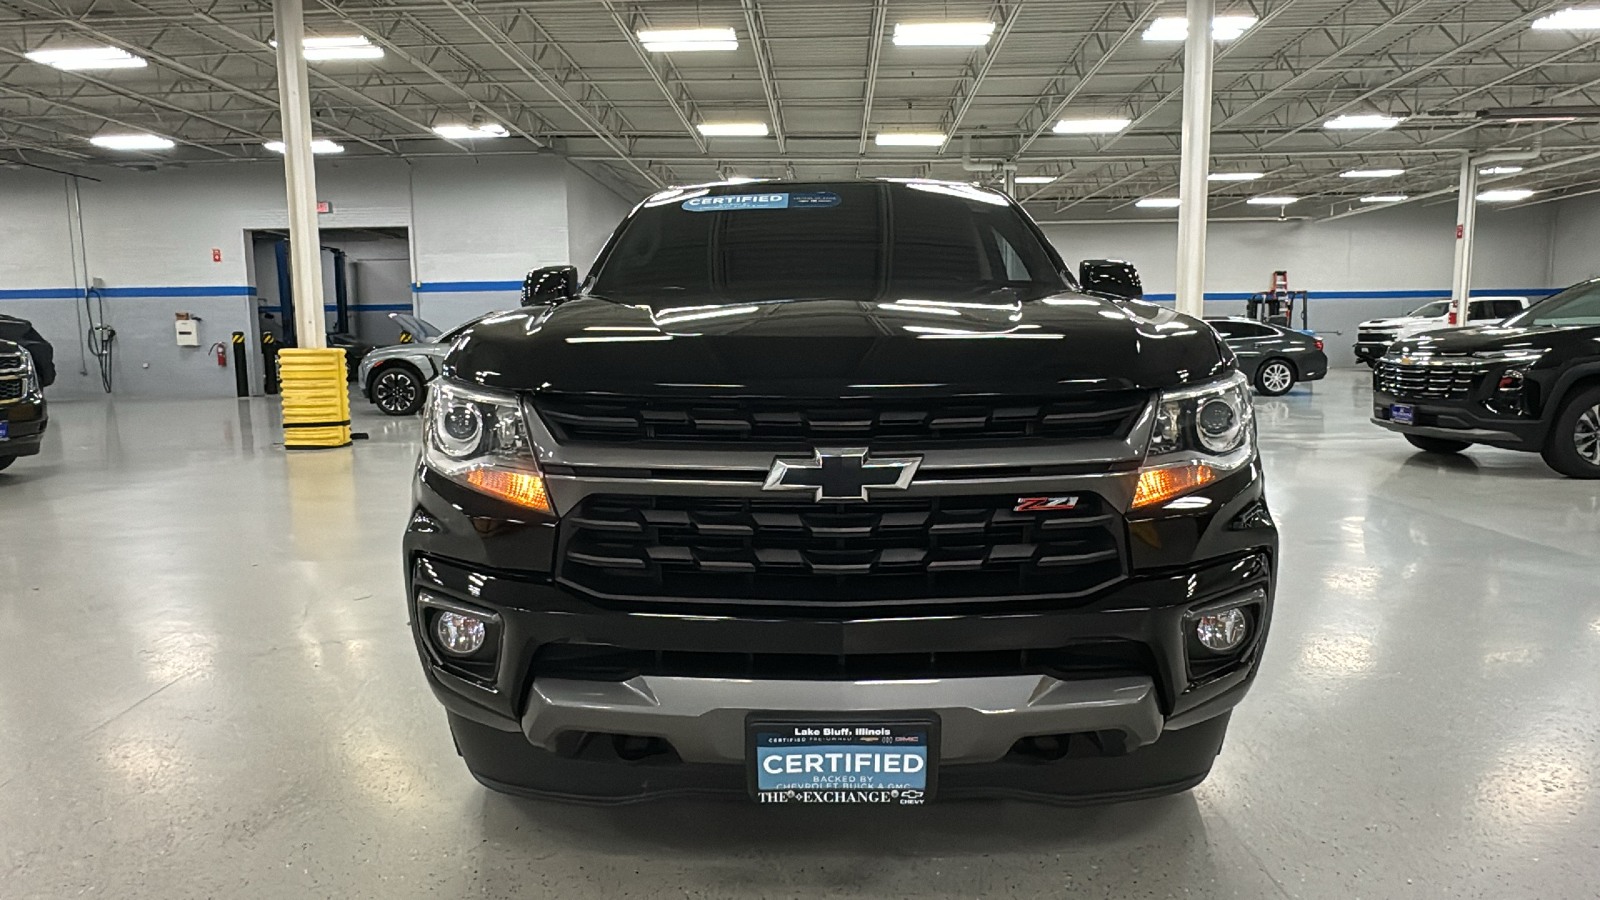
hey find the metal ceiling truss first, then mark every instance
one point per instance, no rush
(571, 77)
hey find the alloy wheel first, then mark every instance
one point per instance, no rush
(1586, 435)
(1277, 378)
(395, 391)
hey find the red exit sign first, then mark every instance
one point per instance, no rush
(324, 206)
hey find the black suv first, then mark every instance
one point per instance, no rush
(23, 414)
(1529, 383)
(838, 492)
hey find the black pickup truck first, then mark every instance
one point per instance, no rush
(839, 493)
(1531, 383)
(23, 414)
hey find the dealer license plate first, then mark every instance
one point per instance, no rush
(884, 760)
(1402, 413)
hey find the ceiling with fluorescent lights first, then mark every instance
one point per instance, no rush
(825, 78)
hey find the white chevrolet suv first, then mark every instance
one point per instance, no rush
(1375, 335)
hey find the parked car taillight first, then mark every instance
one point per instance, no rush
(1319, 343)
(1452, 317)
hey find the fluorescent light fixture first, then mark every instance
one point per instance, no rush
(470, 132)
(1384, 198)
(942, 34)
(739, 179)
(1500, 170)
(317, 146)
(1372, 173)
(909, 139)
(1091, 126)
(1371, 122)
(355, 46)
(679, 40)
(1569, 20)
(1233, 176)
(131, 142)
(73, 59)
(1035, 179)
(733, 129)
(1505, 195)
(1158, 203)
(1525, 120)
(1176, 28)
(1271, 201)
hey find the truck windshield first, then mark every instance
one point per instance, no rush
(1577, 305)
(864, 241)
(1435, 310)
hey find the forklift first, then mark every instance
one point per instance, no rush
(1276, 305)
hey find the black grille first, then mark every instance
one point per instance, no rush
(1375, 337)
(604, 662)
(612, 420)
(10, 389)
(824, 556)
(1419, 382)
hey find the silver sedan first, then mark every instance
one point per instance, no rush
(395, 378)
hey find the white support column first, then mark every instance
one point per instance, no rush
(1466, 225)
(294, 111)
(1196, 159)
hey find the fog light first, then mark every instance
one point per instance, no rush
(457, 634)
(1223, 631)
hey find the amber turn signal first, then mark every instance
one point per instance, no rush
(1167, 482)
(519, 488)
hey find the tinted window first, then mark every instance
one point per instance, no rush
(1434, 310)
(1245, 330)
(1225, 328)
(1577, 305)
(877, 240)
(1480, 309)
(1506, 308)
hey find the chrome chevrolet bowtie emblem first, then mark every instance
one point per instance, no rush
(835, 475)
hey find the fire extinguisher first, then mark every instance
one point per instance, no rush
(221, 350)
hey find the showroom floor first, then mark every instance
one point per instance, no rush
(208, 689)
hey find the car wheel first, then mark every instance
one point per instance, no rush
(1275, 377)
(1437, 445)
(398, 390)
(1573, 447)
(6, 461)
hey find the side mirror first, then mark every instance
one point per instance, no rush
(551, 284)
(1110, 278)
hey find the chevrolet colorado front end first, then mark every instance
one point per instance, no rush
(838, 493)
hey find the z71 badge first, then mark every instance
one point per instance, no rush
(1035, 504)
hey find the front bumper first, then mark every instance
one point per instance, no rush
(1151, 718)
(704, 718)
(26, 421)
(1459, 420)
(1371, 351)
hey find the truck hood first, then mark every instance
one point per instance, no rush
(1062, 344)
(1480, 339)
(1396, 322)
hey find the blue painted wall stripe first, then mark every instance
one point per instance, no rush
(42, 294)
(214, 290)
(354, 307)
(466, 287)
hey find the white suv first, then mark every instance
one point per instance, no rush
(1374, 336)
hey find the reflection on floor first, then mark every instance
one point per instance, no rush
(209, 690)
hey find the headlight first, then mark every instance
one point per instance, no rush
(30, 376)
(479, 438)
(1201, 433)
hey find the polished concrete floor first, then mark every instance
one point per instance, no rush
(207, 689)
